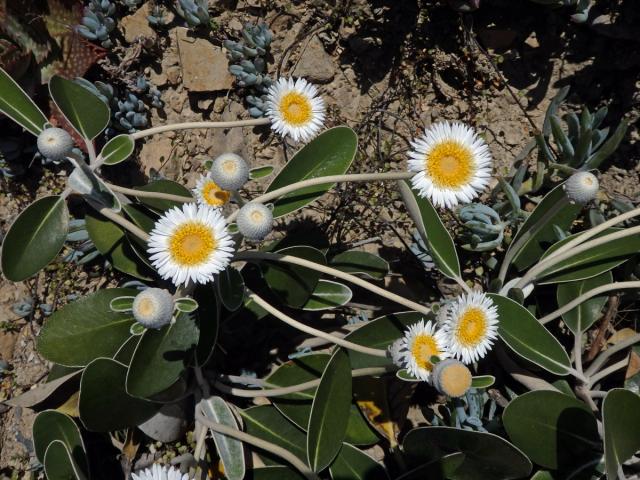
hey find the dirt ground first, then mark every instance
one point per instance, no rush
(386, 69)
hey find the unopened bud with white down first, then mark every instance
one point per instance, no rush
(255, 221)
(55, 143)
(581, 187)
(153, 308)
(230, 171)
(451, 377)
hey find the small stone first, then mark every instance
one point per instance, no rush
(153, 154)
(136, 25)
(173, 75)
(316, 65)
(158, 79)
(205, 103)
(235, 24)
(205, 67)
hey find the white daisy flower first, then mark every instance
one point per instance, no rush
(295, 109)
(190, 244)
(207, 192)
(452, 164)
(421, 342)
(471, 326)
(159, 472)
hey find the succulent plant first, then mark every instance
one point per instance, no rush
(194, 12)
(82, 249)
(98, 22)
(248, 64)
(157, 17)
(582, 7)
(484, 227)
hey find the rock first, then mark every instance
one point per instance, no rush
(153, 154)
(168, 425)
(204, 66)
(173, 75)
(497, 38)
(136, 25)
(316, 65)
(158, 79)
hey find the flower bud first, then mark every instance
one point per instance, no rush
(581, 187)
(255, 221)
(55, 143)
(451, 377)
(230, 171)
(153, 307)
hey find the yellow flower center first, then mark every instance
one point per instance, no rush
(191, 244)
(146, 307)
(423, 348)
(455, 380)
(472, 327)
(449, 165)
(213, 195)
(295, 109)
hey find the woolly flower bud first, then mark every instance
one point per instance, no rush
(581, 187)
(255, 221)
(451, 377)
(230, 171)
(153, 307)
(396, 353)
(55, 143)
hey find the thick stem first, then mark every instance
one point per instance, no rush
(286, 455)
(354, 177)
(547, 263)
(91, 151)
(515, 247)
(586, 296)
(376, 352)
(577, 352)
(279, 391)
(276, 257)
(604, 356)
(142, 194)
(195, 125)
(608, 371)
(123, 222)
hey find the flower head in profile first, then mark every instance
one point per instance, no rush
(414, 351)
(452, 164)
(190, 244)
(295, 109)
(159, 472)
(207, 192)
(471, 326)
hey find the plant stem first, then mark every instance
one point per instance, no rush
(353, 177)
(604, 356)
(91, 151)
(142, 194)
(586, 296)
(279, 391)
(259, 443)
(577, 352)
(608, 371)
(276, 257)
(516, 246)
(376, 352)
(123, 222)
(547, 263)
(195, 125)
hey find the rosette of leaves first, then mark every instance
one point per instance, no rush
(98, 22)
(194, 12)
(483, 226)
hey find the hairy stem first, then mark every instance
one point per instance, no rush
(195, 125)
(276, 257)
(586, 296)
(604, 356)
(577, 352)
(142, 194)
(286, 455)
(376, 352)
(123, 222)
(608, 371)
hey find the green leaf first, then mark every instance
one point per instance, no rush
(118, 149)
(620, 417)
(555, 430)
(539, 241)
(293, 284)
(608, 148)
(404, 375)
(86, 329)
(380, 333)
(85, 181)
(260, 172)
(161, 357)
(122, 304)
(327, 295)
(520, 330)
(267, 423)
(51, 425)
(230, 286)
(163, 186)
(483, 381)
(208, 317)
(329, 412)
(274, 472)
(52, 389)
(486, 456)
(111, 241)
(107, 409)
(353, 464)
(88, 115)
(591, 262)
(432, 231)
(35, 238)
(230, 450)
(330, 153)
(186, 305)
(358, 262)
(580, 318)
(297, 406)
(437, 469)
(59, 464)
(18, 106)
